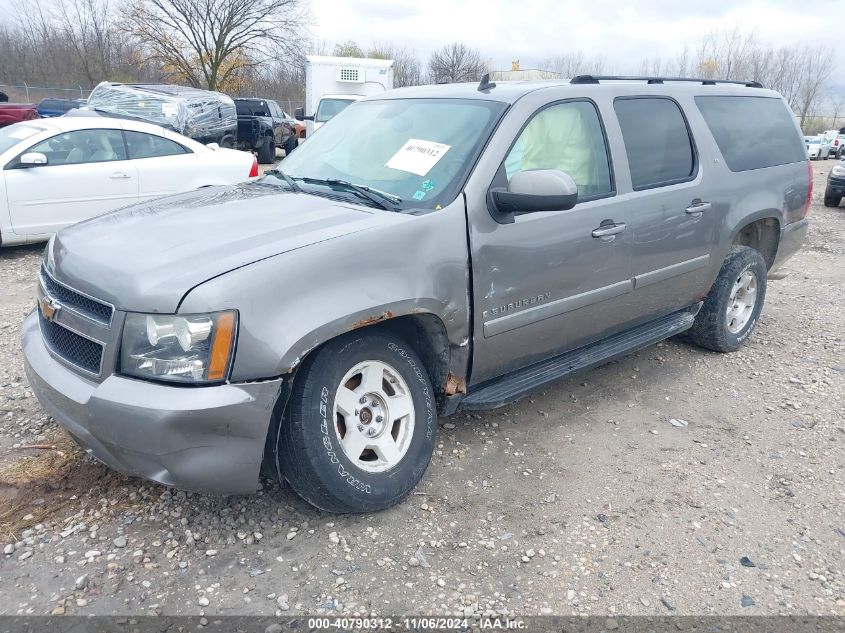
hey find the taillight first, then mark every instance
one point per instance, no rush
(809, 200)
(253, 173)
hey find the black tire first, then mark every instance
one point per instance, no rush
(290, 145)
(832, 201)
(308, 451)
(267, 151)
(710, 329)
(228, 142)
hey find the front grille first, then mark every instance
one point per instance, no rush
(75, 349)
(93, 309)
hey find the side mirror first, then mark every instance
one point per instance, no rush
(33, 159)
(533, 191)
(299, 113)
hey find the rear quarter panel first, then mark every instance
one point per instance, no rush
(743, 197)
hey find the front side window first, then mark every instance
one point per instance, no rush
(420, 150)
(568, 137)
(657, 141)
(330, 108)
(82, 146)
(143, 145)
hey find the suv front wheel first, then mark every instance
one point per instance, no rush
(360, 425)
(733, 306)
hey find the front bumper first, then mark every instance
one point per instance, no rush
(791, 237)
(208, 439)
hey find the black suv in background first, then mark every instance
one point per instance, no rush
(262, 127)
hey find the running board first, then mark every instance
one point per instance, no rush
(500, 391)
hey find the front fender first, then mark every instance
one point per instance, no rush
(291, 303)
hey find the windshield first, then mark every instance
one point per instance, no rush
(417, 149)
(329, 108)
(14, 134)
(813, 141)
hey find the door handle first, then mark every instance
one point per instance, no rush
(698, 207)
(120, 174)
(606, 230)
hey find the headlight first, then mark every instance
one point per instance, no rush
(838, 170)
(190, 348)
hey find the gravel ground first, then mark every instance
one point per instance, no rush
(584, 499)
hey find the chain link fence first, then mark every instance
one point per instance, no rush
(27, 93)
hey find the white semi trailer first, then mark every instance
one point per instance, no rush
(332, 83)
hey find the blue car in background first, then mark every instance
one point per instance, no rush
(57, 107)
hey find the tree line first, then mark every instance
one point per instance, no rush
(259, 47)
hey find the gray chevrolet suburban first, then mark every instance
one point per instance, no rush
(432, 249)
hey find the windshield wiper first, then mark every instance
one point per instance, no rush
(384, 200)
(290, 181)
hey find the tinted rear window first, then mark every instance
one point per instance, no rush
(657, 141)
(252, 108)
(752, 132)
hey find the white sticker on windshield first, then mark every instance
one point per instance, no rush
(23, 132)
(417, 157)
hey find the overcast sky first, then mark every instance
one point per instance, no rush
(532, 30)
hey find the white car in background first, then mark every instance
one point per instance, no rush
(59, 171)
(817, 147)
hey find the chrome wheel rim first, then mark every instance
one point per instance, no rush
(374, 416)
(741, 302)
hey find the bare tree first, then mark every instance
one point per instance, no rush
(454, 63)
(574, 63)
(798, 72)
(817, 66)
(87, 28)
(407, 69)
(209, 43)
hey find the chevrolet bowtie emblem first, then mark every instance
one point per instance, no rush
(49, 308)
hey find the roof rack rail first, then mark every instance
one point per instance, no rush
(594, 79)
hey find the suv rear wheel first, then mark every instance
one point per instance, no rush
(360, 426)
(733, 305)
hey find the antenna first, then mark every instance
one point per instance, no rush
(485, 84)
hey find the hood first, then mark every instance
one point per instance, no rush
(146, 257)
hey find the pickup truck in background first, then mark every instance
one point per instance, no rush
(262, 127)
(48, 107)
(16, 112)
(837, 142)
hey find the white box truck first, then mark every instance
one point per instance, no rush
(332, 83)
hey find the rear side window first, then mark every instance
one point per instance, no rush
(752, 132)
(657, 141)
(143, 145)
